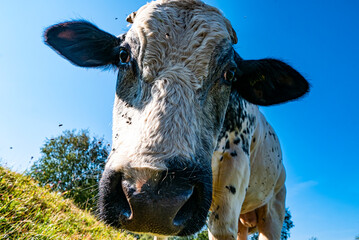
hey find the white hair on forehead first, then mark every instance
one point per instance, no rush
(179, 32)
(168, 127)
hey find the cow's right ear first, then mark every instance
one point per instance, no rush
(82, 43)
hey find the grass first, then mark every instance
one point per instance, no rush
(28, 211)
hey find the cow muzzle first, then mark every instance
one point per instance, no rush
(164, 202)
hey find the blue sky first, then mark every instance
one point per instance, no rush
(319, 133)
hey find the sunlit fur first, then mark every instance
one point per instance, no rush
(257, 176)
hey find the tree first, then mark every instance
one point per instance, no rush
(287, 225)
(72, 164)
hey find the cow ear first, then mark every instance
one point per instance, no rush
(82, 43)
(269, 81)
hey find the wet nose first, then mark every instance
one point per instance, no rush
(169, 202)
(158, 200)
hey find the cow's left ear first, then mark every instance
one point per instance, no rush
(269, 81)
(82, 43)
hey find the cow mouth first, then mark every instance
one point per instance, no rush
(175, 206)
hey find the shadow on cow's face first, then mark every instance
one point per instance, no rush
(176, 71)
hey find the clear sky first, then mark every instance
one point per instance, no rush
(319, 134)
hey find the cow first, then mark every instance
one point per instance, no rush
(189, 142)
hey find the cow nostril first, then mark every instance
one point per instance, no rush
(188, 210)
(126, 211)
(120, 198)
(114, 208)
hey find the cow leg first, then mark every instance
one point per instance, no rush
(271, 217)
(242, 232)
(230, 180)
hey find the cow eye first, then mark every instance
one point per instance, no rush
(230, 75)
(124, 56)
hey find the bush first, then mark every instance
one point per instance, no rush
(72, 164)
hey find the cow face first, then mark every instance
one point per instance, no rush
(176, 71)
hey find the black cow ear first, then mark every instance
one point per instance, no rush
(82, 43)
(269, 81)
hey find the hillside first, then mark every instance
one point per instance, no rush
(31, 212)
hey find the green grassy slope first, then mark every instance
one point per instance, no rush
(31, 212)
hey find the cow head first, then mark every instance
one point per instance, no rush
(176, 70)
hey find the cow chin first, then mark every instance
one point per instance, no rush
(167, 202)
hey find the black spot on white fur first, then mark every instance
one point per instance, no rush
(231, 189)
(227, 144)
